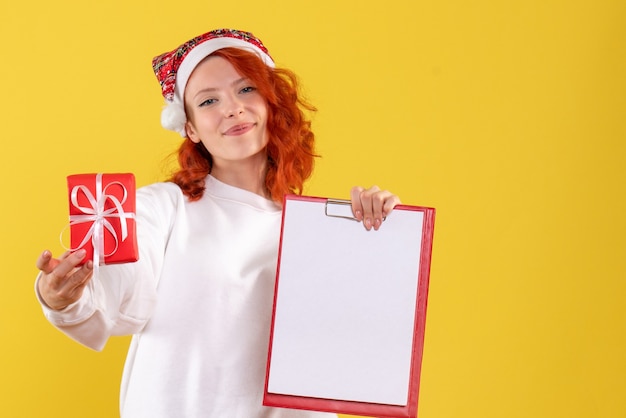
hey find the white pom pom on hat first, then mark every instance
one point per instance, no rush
(173, 68)
(173, 117)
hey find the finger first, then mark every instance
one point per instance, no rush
(68, 264)
(383, 203)
(378, 203)
(65, 255)
(44, 262)
(357, 207)
(379, 199)
(72, 283)
(390, 203)
(367, 201)
(80, 278)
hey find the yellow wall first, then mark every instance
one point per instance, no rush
(508, 117)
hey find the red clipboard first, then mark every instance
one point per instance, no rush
(347, 331)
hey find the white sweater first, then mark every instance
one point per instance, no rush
(199, 302)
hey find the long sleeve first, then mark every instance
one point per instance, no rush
(122, 298)
(200, 350)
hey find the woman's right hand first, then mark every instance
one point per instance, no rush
(62, 280)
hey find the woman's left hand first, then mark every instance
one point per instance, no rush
(372, 205)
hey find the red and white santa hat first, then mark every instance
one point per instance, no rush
(173, 68)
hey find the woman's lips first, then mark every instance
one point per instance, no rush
(239, 129)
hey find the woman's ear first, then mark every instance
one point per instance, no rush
(191, 132)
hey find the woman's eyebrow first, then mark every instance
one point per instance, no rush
(212, 89)
(239, 81)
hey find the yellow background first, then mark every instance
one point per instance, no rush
(508, 117)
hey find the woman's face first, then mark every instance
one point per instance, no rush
(226, 113)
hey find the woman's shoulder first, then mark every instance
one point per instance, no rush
(160, 193)
(160, 187)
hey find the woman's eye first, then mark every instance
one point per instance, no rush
(248, 89)
(207, 102)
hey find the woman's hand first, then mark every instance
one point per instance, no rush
(62, 281)
(372, 205)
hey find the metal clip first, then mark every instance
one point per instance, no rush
(339, 208)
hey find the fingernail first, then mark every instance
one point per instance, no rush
(368, 223)
(358, 214)
(377, 224)
(81, 253)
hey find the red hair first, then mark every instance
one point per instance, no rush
(290, 149)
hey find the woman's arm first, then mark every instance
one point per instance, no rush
(121, 299)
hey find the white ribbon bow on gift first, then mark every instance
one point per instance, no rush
(98, 216)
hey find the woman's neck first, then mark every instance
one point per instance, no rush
(249, 176)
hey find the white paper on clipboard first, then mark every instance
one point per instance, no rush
(345, 305)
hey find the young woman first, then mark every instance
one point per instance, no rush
(199, 299)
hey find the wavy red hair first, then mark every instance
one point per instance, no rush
(290, 149)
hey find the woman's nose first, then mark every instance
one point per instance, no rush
(233, 107)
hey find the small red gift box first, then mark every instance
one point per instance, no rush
(102, 217)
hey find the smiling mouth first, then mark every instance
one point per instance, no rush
(239, 129)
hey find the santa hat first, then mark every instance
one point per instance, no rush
(173, 68)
